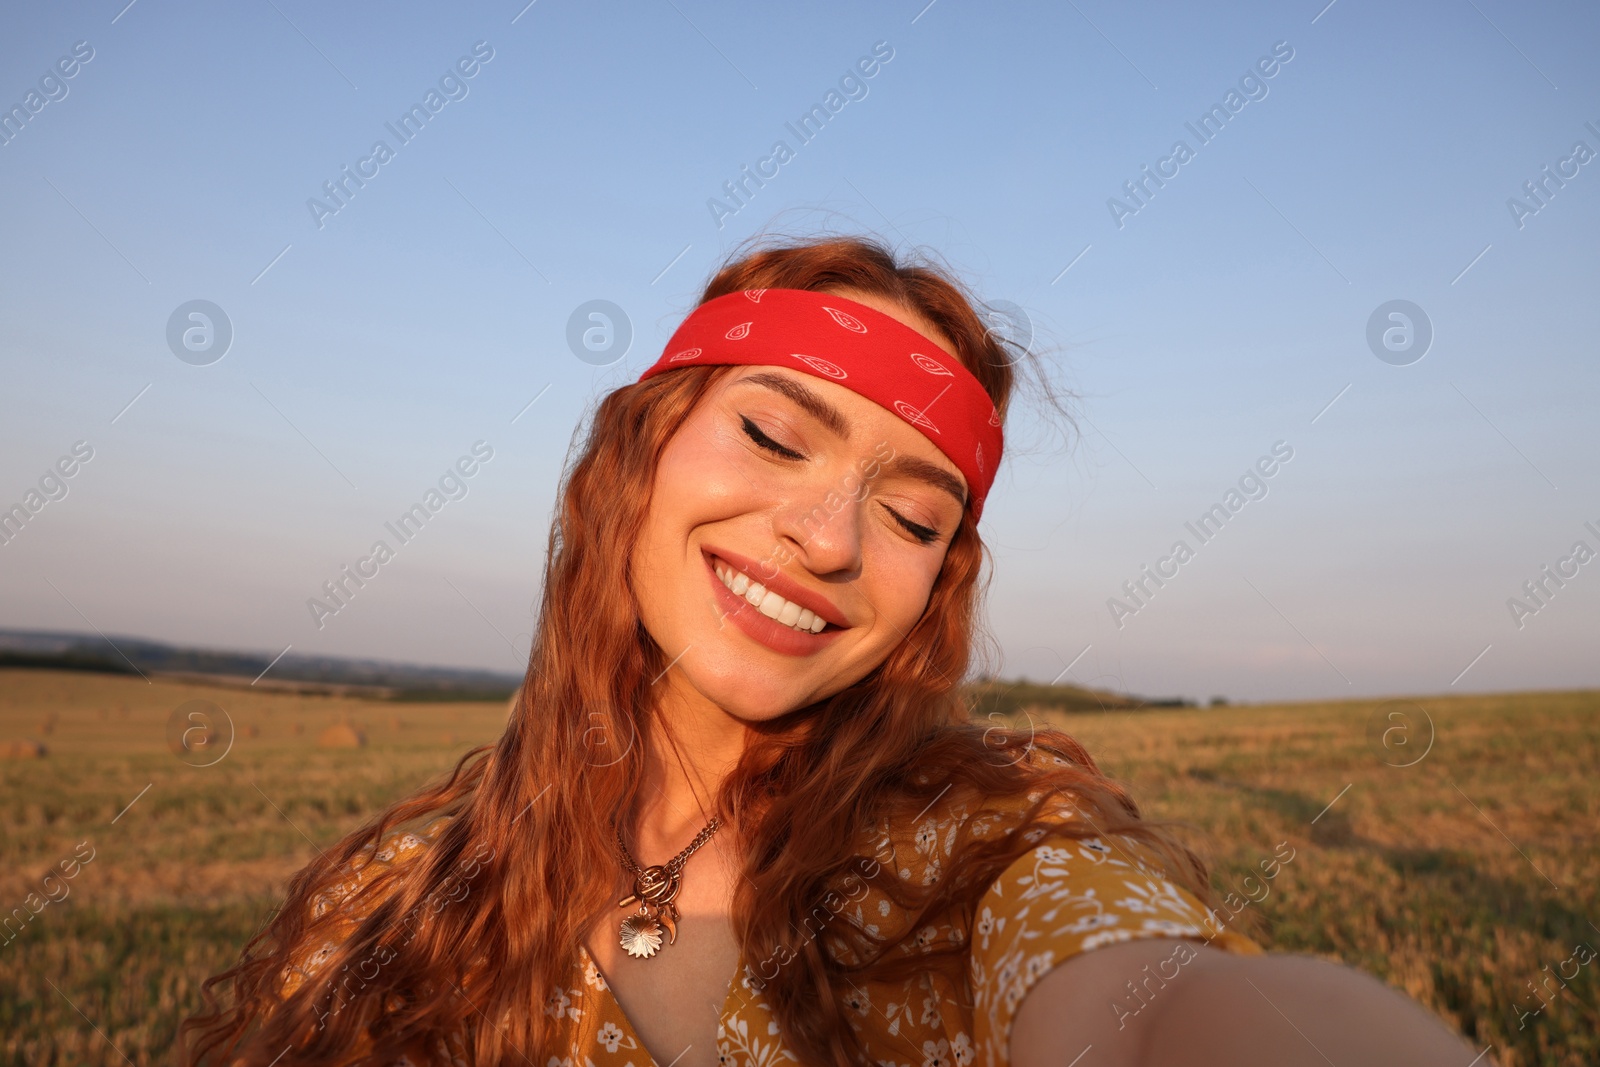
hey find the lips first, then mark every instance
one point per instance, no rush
(779, 583)
(771, 633)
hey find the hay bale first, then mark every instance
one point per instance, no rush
(22, 750)
(341, 735)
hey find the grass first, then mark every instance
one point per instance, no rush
(1458, 879)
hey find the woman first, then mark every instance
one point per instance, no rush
(739, 814)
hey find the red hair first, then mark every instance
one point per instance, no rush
(543, 800)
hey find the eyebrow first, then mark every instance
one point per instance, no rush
(834, 420)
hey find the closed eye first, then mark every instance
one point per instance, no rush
(924, 534)
(755, 434)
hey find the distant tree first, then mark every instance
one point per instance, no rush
(1218, 702)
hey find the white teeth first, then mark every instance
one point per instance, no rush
(769, 603)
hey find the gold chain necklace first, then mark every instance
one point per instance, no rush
(654, 889)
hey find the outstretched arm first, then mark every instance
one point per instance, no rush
(1184, 1004)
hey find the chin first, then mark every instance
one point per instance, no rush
(752, 701)
(749, 695)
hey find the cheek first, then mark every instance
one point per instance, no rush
(901, 582)
(697, 481)
(700, 470)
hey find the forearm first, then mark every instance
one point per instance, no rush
(1290, 1010)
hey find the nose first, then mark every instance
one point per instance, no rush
(822, 529)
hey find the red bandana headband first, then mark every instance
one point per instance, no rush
(874, 354)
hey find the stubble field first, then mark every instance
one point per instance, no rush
(1445, 844)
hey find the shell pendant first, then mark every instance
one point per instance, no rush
(641, 934)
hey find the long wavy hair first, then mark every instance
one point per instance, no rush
(539, 806)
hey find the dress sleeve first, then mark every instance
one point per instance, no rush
(1061, 899)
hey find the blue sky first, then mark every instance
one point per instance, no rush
(1228, 313)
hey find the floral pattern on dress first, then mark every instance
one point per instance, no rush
(1064, 897)
(737, 1048)
(1057, 902)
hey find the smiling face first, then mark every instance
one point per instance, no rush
(793, 537)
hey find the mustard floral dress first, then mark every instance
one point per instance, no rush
(1065, 897)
